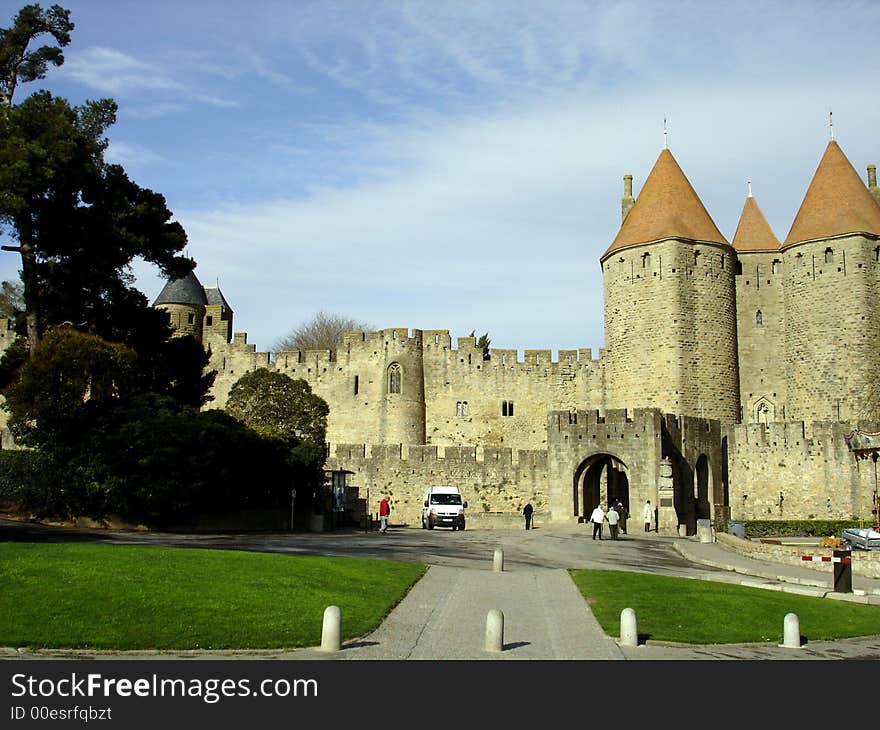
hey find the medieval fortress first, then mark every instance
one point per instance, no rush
(732, 372)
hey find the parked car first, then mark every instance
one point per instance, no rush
(862, 538)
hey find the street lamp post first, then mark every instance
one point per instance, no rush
(292, 504)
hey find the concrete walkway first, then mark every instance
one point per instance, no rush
(444, 617)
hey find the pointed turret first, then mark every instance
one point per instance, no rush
(837, 202)
(184, 299)
(753, 233)
(669, 304)
(185, 290)
(667, 207)
(832, 321)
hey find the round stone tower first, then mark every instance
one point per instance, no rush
(831, 262)
(402, 411)
(184, 299)
(670, 304)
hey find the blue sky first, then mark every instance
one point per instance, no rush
(456, 165)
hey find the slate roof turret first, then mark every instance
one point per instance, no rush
(186, 290)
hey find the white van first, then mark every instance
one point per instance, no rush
(443, 506)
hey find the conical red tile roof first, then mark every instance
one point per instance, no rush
(837, 202)
(667, 207)
(753, 233)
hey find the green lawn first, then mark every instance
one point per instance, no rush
(704, 612)
(133, 597)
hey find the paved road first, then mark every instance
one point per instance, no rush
(444, 615)
(569, 547)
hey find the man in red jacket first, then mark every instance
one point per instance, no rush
(384, 511)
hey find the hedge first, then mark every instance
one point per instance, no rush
(799, 528)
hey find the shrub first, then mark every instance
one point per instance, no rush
(796, 528)
(30, 480)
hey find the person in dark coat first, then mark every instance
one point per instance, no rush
(527, 513)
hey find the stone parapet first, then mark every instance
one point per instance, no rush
(865, 563)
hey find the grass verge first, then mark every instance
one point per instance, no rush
(138, 597)
(704, 612)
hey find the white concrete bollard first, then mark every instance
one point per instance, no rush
(629, 632)
(331, 631)
(791, 632)
(498, 563)
(494, 630)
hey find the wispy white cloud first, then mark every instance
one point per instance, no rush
(123, 153)
(114, 72)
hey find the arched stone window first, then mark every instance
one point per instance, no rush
(829, 256)
(777, 264)
(759, 318)
(394, 378)
(646, 260)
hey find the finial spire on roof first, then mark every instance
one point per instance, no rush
(750, 189)
(665, 135)
(831, 125)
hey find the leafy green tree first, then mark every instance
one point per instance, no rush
(483, 343)
(67, 377)
(17, 63)
(279, 406)
(151, 461)
(79, 222)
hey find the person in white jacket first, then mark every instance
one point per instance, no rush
(649, 515)
(597, 518)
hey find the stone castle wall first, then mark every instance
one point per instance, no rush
(460, 397)
(812, 469)
(491, 480)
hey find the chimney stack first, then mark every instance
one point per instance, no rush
(872, 176)
(627, 202)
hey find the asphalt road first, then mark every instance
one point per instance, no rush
(562, 547)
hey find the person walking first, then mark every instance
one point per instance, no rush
(597, 518)
(384, 511)
(649, 515)
(613, 518)
(527, 513)
(621, 510)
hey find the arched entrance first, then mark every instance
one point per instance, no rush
(599, 478)
(692, 490)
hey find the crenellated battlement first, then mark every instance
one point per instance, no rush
(438, 455)
(796, 435)
(432, 342)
